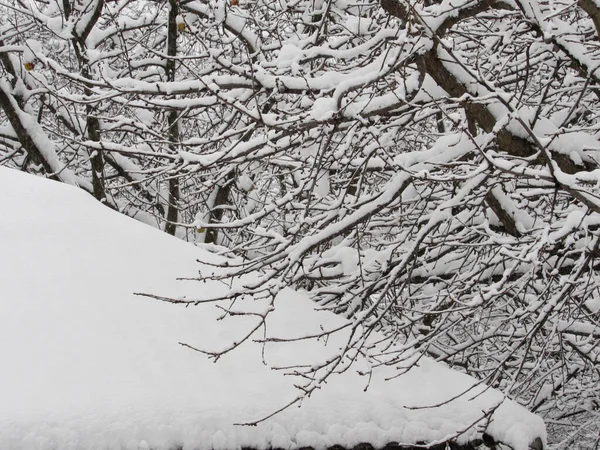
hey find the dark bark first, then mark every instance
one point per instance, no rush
(216, 212)
(172, 207)
(590, 7)
(92, 122)
(96, 157)
(507, 220)
(480, 114)
(29, 145)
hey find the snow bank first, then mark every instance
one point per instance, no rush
(85, 364)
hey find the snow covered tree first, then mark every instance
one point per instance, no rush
(428, 169)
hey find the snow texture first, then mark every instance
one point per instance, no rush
(88, 365)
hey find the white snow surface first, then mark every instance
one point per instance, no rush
(85, 364)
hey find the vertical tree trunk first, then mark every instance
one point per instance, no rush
(96, 157)
(216, 212)
(172, 209)
(92, 122)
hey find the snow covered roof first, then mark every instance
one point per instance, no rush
(85, 364)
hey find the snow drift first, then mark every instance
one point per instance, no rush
(86, 364)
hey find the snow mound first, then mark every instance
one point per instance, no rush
(86, 364)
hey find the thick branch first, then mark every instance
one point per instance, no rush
(590, 7)
(16, 121)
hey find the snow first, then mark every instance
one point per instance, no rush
(32, 48)
(288, 55)
(323, 109)
(88, 365)
(593, 304)
(358, 25)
